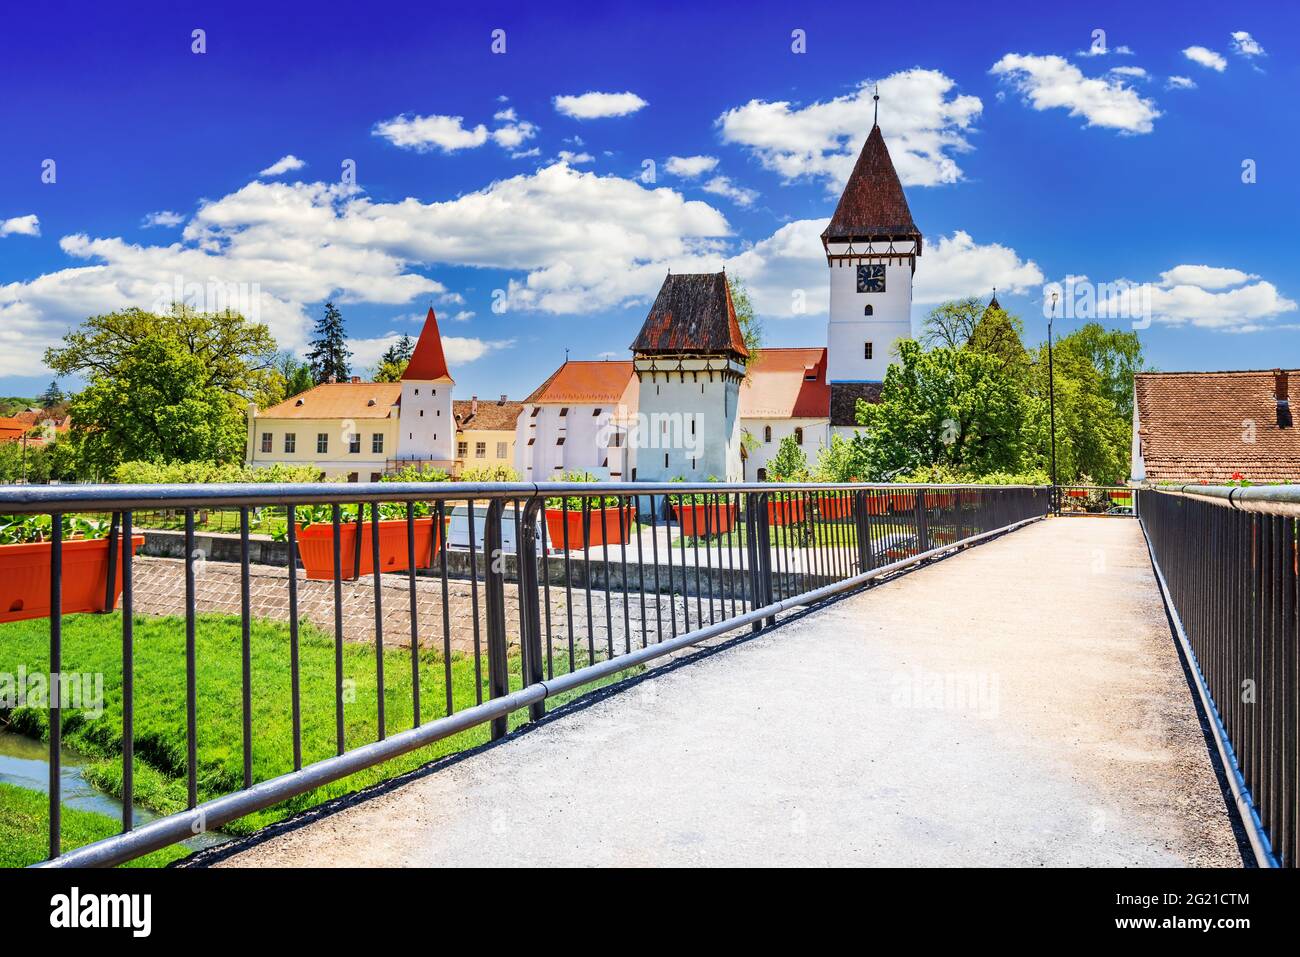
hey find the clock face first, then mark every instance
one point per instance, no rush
(871, 278)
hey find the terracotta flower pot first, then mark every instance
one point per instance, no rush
(835, 506)
(785, 511)
(715, 518)
(597, 534)
(902, 502)
(25, 577)
(316, 547)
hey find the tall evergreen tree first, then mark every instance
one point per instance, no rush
(53, 395)
(329, 353)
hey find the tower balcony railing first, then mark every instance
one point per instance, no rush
(381, 642)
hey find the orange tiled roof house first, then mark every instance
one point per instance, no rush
(1214, 427)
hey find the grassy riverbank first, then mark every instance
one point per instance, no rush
(24, 830)
(93, 644)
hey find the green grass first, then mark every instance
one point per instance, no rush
(24, 830)
(92, 644)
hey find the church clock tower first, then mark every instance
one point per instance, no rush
(871, 247)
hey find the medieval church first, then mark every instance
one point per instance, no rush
(692, 403)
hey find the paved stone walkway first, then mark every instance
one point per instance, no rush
(1021, 703)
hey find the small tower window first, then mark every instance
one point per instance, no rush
(798, 436)
(767, 433)
(866, 350)
(868, 310)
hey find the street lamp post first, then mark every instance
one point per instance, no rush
(1051, 402)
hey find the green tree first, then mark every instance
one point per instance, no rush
(290, 376)
(1115, 355)
(951, 324)
(836, 462)
(329, 353)
(52, 395)
(395, 360)
(751, 329)
(156, 402)
(237, 357)
(790, 463)
(949, 406)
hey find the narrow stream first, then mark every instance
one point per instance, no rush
(24, 763)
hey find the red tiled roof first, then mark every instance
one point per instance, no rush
(1214, 426)
(777, 386)
(580, 381)
(339, 400)
(693, 313)
(872, 204)
(491, 416)
(428, 364)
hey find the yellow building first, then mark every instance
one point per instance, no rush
(355, 430)
(348, 430)
(485, 433)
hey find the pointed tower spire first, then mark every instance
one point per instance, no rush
(875, 116)
(428, 363)
(872, 206)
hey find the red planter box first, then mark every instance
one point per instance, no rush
(785, 511)
(715, 518)
(316, 547)
(25, 577)
(835, 506)
(556, 518)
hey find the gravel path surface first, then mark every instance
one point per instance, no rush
(1021, 704)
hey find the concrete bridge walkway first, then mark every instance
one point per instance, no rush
(1021, 703)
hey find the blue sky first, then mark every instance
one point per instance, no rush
(535, 217)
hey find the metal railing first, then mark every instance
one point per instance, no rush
(607, 578)
(1226, 561)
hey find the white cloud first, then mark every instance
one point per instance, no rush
(591, 106)
(1133, 71)
(1180, 83)
(788, 270)
(1204, 277)
(723, 186)
(1052, 82)
(449, 133)
(424, 133)
(1243, 44)
(465, 315)
(573, 159)
(285, 164)
(924, 124)
(1209, 297)
(1100, 49)
(163, 217)
(689, 167)
(458, 349)
(28, 225)
(1206, 58)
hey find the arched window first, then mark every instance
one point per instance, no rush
(869, 310)
(767, 433)
(798, 436)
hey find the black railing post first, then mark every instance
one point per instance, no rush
(530, 604)
(110, 580)
(763, 547)
(922, 525)
(494, 582)
(862, 527)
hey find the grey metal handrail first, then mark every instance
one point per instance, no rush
(1263, 499)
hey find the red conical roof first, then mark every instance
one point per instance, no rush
(872, 205)
(428, 362)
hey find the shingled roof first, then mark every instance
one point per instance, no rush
(872, 205)
(786, 384)
(499, 416)
(1215, 427)
(428, 363)
(693, 313)
(579, 382)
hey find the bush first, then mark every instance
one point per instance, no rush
(413, 473)
(575, 501)
(490, 473)
(206, 473)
